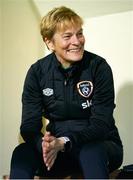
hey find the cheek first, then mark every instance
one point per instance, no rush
(65, 45)
(82, 40)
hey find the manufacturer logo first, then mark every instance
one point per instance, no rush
(48, 92)
(85, 88)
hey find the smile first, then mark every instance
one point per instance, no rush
(74, 50)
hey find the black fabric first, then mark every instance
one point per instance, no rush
(26, 162)
(82, 119)
(94, 161)
(126, 172)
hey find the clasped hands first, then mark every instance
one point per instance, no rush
(50, 148)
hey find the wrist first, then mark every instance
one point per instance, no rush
(66, 144)
(62, 144)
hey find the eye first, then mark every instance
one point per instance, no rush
(80, 34)
(66, 37)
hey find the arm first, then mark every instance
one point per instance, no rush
(32, 108)
(101, 119)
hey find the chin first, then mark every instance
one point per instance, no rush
(76, 58)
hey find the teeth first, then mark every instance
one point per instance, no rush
(74, 50)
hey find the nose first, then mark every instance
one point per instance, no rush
(75, 40)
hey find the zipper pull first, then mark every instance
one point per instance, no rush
(65, 82)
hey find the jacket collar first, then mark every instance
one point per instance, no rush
(75, 68)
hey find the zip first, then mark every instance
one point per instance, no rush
(66, 96)
(66, 82)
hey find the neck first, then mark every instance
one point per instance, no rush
(65, 64)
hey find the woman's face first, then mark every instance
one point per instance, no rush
(68, 45)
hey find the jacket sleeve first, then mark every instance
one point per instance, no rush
(32, 109)
(101, 119)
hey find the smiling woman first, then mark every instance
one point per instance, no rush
(58, 19)
(68, 45)
(62, 32)
(74, 90)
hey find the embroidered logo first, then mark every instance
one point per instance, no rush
(48, 92)
(86, 104)
(85, 88)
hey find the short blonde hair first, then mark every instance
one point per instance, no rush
(58, 18)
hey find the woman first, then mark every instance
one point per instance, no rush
(74, 90)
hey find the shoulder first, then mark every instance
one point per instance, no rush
(42, 65)
(94, 59)
(43, 62)
(96, 63)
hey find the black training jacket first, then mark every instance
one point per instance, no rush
(78, 101)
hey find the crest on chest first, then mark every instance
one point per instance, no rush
(85, 88)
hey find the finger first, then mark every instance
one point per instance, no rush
(48, 159)
(45, 157)
(50, 164)
(48, 151)
(48, 146)
(45, 148)
(49, 156)
(48, 138)
(47, 134)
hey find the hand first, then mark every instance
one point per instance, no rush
(51, 146)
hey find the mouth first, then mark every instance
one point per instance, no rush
(75, 49)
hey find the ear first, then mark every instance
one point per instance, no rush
(49, 44)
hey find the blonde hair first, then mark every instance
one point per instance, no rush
(59, 18)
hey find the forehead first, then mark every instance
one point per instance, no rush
(65, 27)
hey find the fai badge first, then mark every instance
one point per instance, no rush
(85, 88)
